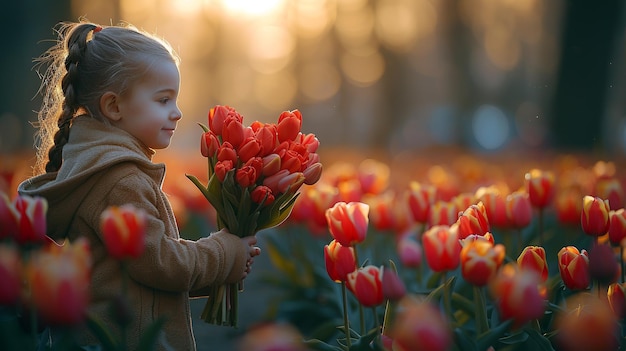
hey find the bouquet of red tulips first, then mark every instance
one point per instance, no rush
(254, 173)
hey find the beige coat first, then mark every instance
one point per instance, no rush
(105, 166)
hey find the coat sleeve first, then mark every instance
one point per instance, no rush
(168, 262)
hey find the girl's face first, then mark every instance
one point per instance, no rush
(149, 111)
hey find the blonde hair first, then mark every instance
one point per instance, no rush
(87, 61)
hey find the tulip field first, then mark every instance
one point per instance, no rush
(438, 250)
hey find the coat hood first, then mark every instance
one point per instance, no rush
(92, 148)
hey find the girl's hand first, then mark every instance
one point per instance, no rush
(253, 251)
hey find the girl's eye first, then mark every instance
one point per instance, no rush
(164, 100)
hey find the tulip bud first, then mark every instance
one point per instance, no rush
(9, 218)
(473, 221)
(594, 217)
(289, 124)
(420, 198)
(367, 285)
(617, 227)
(420, 326)
(540, 187)
(519, 209)
(32, 223)
(262, 195)
(248, 149)
(603, 266)
(574, 268)
(340, 261)
(271, 164)
(348, 222)
(123, 230)
(480, 260)
(410, 253)
(442, 248)
(534, 258)
(616, 294)
(312, 173)
(393, 286)
(209, 144)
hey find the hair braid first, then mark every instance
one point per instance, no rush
(76, 46)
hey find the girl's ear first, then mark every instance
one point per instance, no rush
(110, 106)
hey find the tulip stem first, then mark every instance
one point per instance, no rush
(346, 321)
(447, 304)
(621, 259)
(481, 317)
(361, 313)
(376, 322)
(123, 331)
(540, 225)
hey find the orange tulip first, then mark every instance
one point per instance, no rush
(569, 206)
(382, 207)
(473, 221)
(367, 285)
(442, 248)
(540, 187)
(480, 260)
(518, 294)
(534, 258)
(443, 213)
(610, 188)
(59, 278)
(123, 229)
(289, 124)
(574, 267)
(348, 222)
(340, 261)
(495, 206)
(594, 217)
(420, 198)
(373, 176)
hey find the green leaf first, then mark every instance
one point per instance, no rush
(516, 338)
(537, 341)
(490, 337)
(464, 342)
(101, 333)
(315, 344)
(204, 127)
(437, 292)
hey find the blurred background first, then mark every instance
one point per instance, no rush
(389, 75)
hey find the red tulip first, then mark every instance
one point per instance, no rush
(289, 124)
(473, 221)
(518, 209)
(348, 222)
(246, 176)
(393, 286)
(217, 115)
(409, 252)
(534, 258)
(574, 267)
(616, 295)
(221, 168)
(10, 275)
(248, 149)
(262, 195)
(569, 206)
(366, 284)
(495, 206)
(588, 323)
(540, 187)
(420, 198)
(267, 137)
(59, 278)
(32, 219)
(226, 152)
(518, 296)
(480, 260)
(123, 229)
(373, 176)
(594, 217)
(340, 261)
(610, 188)
(443, 213)
(442, 248)
(209, 144)
(9, 218)
(233, 131)
(617, 226)
(419, 326)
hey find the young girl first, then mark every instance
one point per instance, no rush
(110, 101)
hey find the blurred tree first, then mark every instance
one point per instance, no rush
(589, 43)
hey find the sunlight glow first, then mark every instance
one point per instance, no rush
(253, 7)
